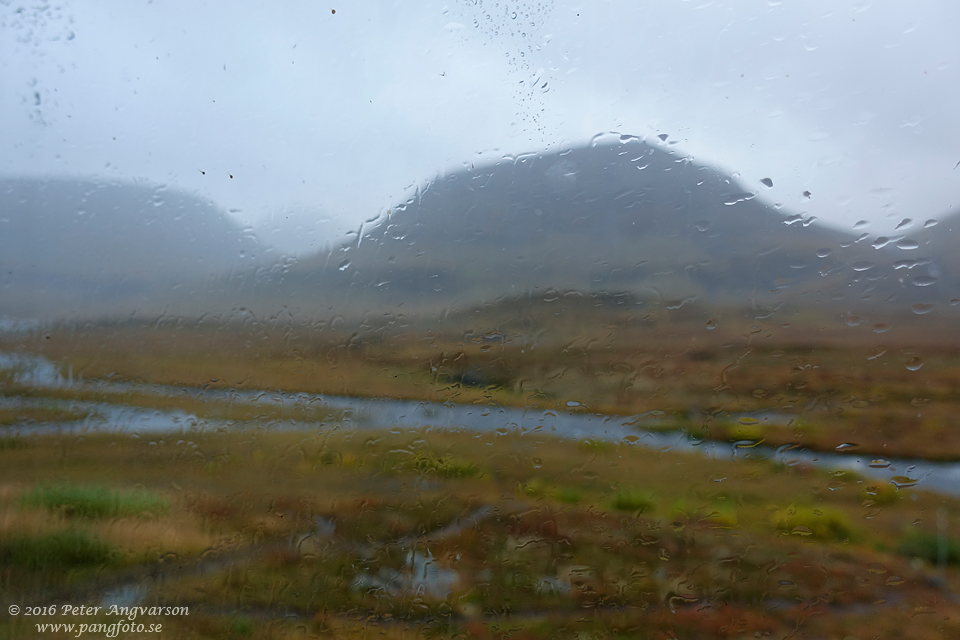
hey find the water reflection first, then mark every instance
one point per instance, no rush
(378, 413)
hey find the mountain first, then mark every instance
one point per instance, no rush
(624, 217)
(935, 263)
(72, 246)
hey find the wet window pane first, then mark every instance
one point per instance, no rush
(482, 319)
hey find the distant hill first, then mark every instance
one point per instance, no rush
(70, 246)
(935, 263)
(624, 217)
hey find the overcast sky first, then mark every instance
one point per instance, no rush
(327, 115)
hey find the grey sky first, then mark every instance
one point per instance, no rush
(327, 119)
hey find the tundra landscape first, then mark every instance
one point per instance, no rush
(601, 392)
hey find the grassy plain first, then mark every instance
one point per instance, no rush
(884, 385)
(464, 535)
(27, 415)
(403, 534)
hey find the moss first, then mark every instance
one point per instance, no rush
(95, 502)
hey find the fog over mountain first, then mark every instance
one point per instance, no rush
(627, 217)
(80, 246)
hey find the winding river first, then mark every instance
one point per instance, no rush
(365, 414)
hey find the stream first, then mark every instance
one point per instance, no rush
(368, 413)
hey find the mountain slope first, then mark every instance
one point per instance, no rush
(78, 246)
(628, 217)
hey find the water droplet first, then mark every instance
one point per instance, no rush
(879, 464)
(906, 222)
(663, 137)
(908, 245)
(792, 219)
(921, 308)
(711, 324)
(654, 413)
(767, 182)
(860, 224)
(734, 198)
(877, 353)
(902, 482)
(863, 265)
(881, 327)
(914, 364)
(881, 242)
(847, 446)
(823, 253)
(930, 223)
(924, 281)
(343, 266)
(807, 194)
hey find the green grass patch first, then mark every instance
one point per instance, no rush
(241, 627)
(95, 502)
(569, 495)
(64, 549)
(633, 500)
(929, 546)
(442, 466)
(880, 495)
(537, 488)
(822, 523)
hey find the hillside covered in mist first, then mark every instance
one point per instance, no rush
(629, 217)
(73, 246)
(623, 218)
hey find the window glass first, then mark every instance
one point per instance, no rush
(485, 319)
